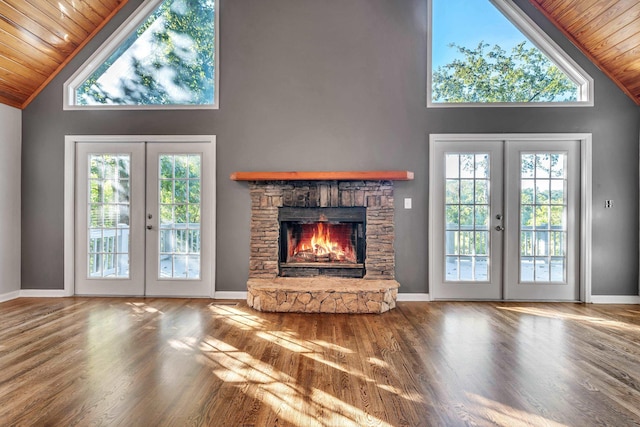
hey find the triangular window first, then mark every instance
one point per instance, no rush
(163, 56)
(489, 53)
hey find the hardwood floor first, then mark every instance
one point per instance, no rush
(179, 362)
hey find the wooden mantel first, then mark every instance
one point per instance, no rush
(324, 176)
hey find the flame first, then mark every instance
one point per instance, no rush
(323, 247)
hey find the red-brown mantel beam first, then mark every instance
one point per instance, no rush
(324, 176)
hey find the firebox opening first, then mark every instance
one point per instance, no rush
(322, 241)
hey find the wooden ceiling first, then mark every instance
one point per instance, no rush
(39, 37)
(607, 32)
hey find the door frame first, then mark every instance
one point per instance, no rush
(70, 142)
(586, 198)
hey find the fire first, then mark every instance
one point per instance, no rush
(322, 242)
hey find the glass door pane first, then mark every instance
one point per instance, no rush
(108, 215)
(179, 211)
(467, 213)
(543, 213)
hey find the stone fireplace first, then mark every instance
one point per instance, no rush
(322, 241)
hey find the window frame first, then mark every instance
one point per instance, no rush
(540, 40)
(104, 51)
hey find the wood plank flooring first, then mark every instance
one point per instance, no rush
(190, 362)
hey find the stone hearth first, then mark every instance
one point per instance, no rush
(322, 295)
(375, 293)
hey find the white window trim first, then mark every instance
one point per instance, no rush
(111, 44)
(542, 41)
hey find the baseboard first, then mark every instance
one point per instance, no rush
(230, 295)
(9, 296)
(58, 293)
(615, 299)
(43, 293)
(413, 297)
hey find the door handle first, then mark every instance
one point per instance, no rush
(499, 228)
(149, 227)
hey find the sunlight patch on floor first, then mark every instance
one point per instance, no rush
(241, 319)
(286, 340)
(504, 415)
(331, 346)
(312, 349)
(280, 391)
(142, 307)
(378, 362)
(554, 314)
(184, 345)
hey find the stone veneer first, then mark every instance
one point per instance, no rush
(378, 282)
(322, 295)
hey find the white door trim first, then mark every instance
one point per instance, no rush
(70, 142)
(585, 196)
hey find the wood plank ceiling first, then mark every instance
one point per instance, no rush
(607, 32)
(39, 37)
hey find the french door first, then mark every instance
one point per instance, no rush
(505, 219)
(144, 218)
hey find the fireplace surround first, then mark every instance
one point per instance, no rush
(354, 273)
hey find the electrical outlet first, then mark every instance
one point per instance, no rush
(608, 203)
(407, 203)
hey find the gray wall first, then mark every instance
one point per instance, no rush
(10, 134)
(331, 85)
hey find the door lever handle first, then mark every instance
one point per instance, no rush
(499, 228)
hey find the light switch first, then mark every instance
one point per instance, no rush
(407, 203)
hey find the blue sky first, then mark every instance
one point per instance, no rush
(466, 23)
